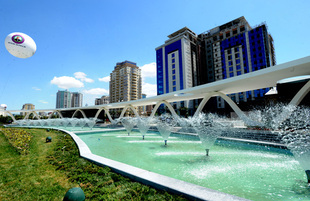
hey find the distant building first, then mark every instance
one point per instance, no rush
(67, 99)
(103, 100)
(125, 82)
(76, 99)
(27, 106)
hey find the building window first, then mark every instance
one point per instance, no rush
(174, 88)
(229, 57)
(173, 66)
(172, 55)
(173, 83)
(173, 60)
(229, 63)
(173, 71)
(173, 77)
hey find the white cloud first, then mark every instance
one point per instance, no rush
(42, 101)
(82, 76)
(104, 79)
(96, 91)
(66, 82)
(149, 89)
(148, 70)
(36, 88)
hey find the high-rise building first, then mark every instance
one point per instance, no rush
(125, 82)
(232, 49)
(63, 99)
(177, 64)
(103, 100)
(67, 99)
(76, 99)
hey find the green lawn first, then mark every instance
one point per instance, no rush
(50, 169)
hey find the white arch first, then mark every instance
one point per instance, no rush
(106, 111)
(79, 110)
(174, 114)
(32, 112)
(132, 108)
(232, 104)
(57, 111)
(300, 94)
(11, 115)
(287, 111)
(203, 102)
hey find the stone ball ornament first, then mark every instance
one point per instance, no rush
(20, 45)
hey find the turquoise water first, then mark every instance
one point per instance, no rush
(249, 171)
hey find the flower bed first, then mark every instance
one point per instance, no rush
(19, 139)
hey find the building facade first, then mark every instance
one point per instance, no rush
(233, 49)
(102, 101)
(229, 50)
(67, 99)
(125, 82)
(177, 64)
(76, 99)
(27, 106)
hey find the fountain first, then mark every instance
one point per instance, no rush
(91, 122)
(128, 123)
(143, 124)
(233, 163)
(208, 128)
(65, 122)
(165, 125)
(73, 122)
(81, 122)
(294, 131)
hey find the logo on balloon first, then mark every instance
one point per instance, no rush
(18, 39)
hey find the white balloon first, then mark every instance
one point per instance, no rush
(20, 45)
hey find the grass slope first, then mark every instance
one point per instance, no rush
(31, 177)
(50, 169)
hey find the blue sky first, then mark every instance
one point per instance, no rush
(79, 42)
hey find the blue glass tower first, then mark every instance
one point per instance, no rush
(176, 64)
(229, 50)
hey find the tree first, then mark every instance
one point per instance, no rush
(5, 119)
